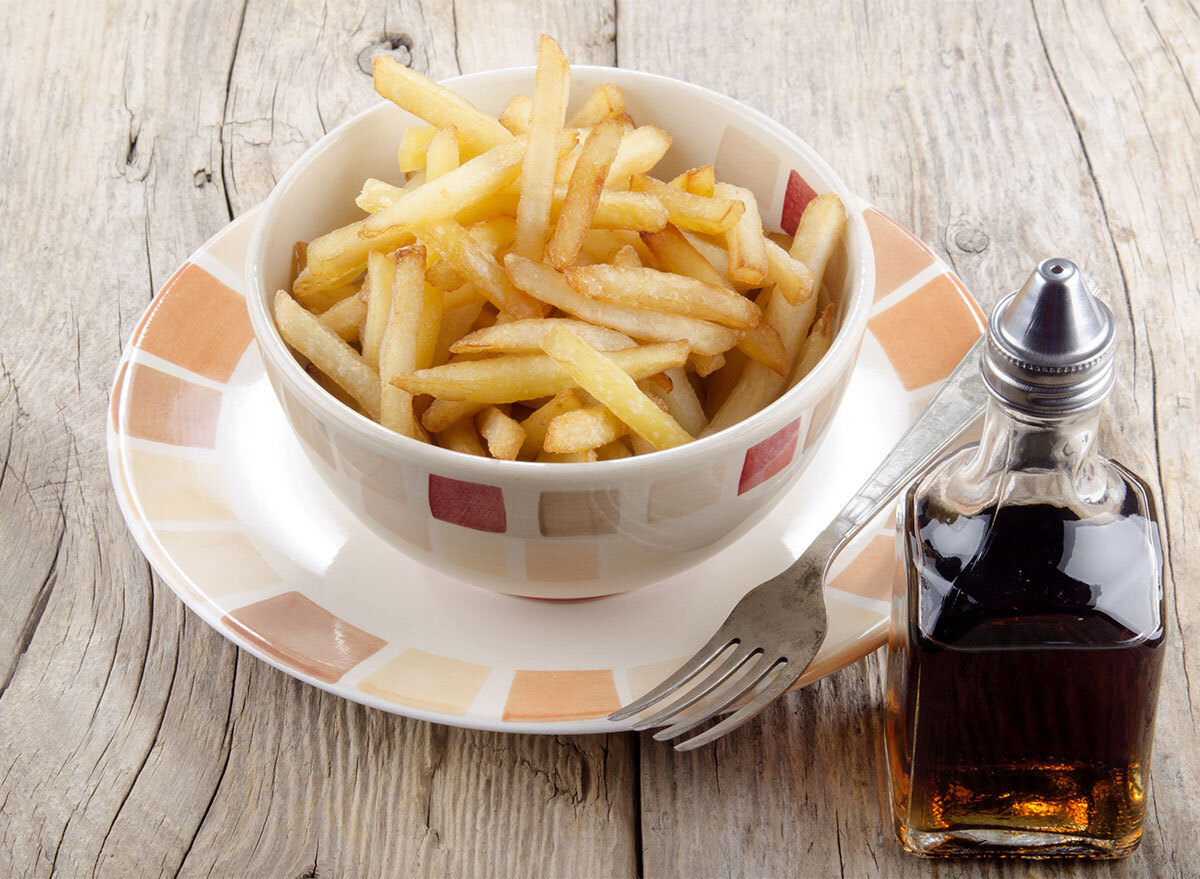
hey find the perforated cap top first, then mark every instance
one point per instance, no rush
(1051, 343)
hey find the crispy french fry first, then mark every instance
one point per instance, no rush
(816, 236)
(586, 457)
(305, 333)
(549, 286)
(479, 267)
(442, 198)
(583, 429)
(461, 436)
(441, 156)
(437, 105)
(511, 378)
(504, 437)
(664, 291)
(790, 276)
(706, 365)
(315, 292)
(338, 256)
(624, 257)
(695, 212)
(677, 254)
(816, 346)
(612, 451)
(600, 243)
(602, 376)
(552, 83)
(583, 194)
(413, 143)
(378, 290)
(322, 299)
(605, 102)
(461, 296)
(456, 323)
(443, 413)
(444, 275)
(682, 402)
(698, 181)
(615, 209)
(640, 150)
(538, 422)
(344, 317)
(525, 337)
(747, 248)
(398, 349)
(516, 113)
(722, 382)
(764, 345)
(430, 325)
(493, 234)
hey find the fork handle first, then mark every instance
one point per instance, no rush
(956, 405)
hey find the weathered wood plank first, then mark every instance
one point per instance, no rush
(1002, 135)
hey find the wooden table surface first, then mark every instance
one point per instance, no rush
(134, 740)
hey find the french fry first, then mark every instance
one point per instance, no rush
(614, 450)
(429, 325)
(460, 297)
(305, 333)
(706, 365)
(790, 276)
(441, 156)
(378, 291)
(588, 428)
(640, 150)
(455, 323)
(444, 275)
(443, 413)
(549, 286)
(322, 298)
(516, 113)
(606, 101)
(437, 105)
(461, 436)
(493, 234)
(624, 257)
(341, 255)
(398, 349)
(682, 402)
(816, 236)
(695, 212)
(586, 457)
(313, 291)
(413, 143)
(538, 422)
(511, 378)
(299, 261)
(746, 246)
(600, 243)
(615, 209)
(525, 337)
(583, 194)
(552, 83)
(677, 254)
(504, 437)
(345, 317)
(442, 198)
(764, 345)
(479, 267)
(698, 181)
(816, 346)
(723, 381)
(602, 376)
(664, 291)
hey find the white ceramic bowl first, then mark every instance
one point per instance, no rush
(564, 531)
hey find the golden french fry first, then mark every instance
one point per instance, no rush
(341, 255)
(538, 422)
(320, 299)
(640, 150)
(461, 436)
(511, 378)
(398, 349)
(460, 297)
(413, 143)
(441, 156)
(344, 317)
(429, 326)
(583, 194)
(790, 276)
(516, 113)
(664, 291)
(605, 102)
(612, 451)
(443, 413)
(599, 244)
(437, 105)
(764, 345)
(504, 437)
(677, 254)
(615, 209)
(816, 236)
(552, 83)
(820, 337)
(443, 275)
(479, 267)
(444, 197)
(695, 212)
(706, 365)
(698, 181)
(549, 286)
(378, 290)
(602, 376)
(682, 402)
(624, 257)
(456, 323)
(747, 248)
(719, 385)
(525, 337)
(305, 333)
(586, 457)
(583, 429)
(493, 234)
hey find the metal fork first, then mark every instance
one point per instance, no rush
(776, 629)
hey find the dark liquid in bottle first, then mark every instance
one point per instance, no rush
(1027, 700)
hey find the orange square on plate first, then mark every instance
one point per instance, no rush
(899, 257)
(561, 695)
(870, 572)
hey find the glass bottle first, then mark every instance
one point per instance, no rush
(1027, 627)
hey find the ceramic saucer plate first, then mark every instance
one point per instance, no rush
(222, 501)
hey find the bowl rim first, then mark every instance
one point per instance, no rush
(845, 344)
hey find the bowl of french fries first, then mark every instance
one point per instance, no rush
(559, 331)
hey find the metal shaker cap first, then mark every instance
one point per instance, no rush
(1050, 344)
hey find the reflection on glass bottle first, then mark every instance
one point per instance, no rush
(1026, 649)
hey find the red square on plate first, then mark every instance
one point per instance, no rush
(469, 504)
(795, 200)
(769, 457)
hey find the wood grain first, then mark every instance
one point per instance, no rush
(136, 741)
